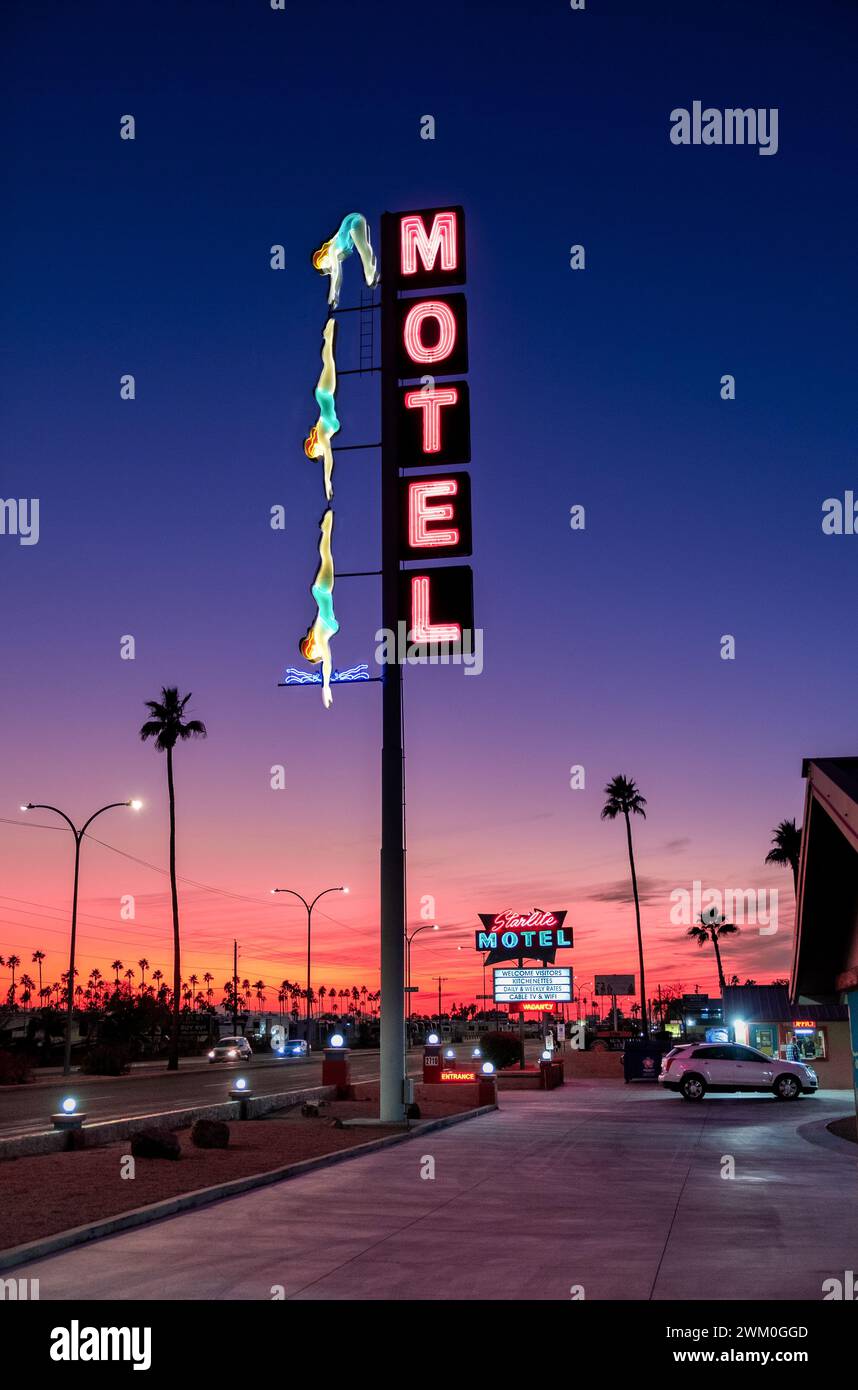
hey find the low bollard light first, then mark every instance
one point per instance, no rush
(487, 1085)
(336, 1066)
(241, 1091)
(68, 1116)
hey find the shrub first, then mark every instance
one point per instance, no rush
(155, 1143)
(105, 1059)
(210, 1134)
(14, 1068)
(502, 1049)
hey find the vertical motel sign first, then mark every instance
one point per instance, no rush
(426, 251)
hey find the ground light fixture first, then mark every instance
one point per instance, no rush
(433, 1040)
(476, 1052)
(68, 1116)
(337, 1040)
(488, 1068)
(449, 1053)
(546, 1056)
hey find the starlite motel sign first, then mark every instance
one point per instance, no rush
(515, 935)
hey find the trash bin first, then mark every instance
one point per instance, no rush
(642, 1058)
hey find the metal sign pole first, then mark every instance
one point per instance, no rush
(392, 1108)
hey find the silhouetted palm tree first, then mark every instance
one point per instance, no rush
(786, 848)
(144, 966)
(711, 927)
(117, 966)
(624, 799)
(167, 727)
(38, 957)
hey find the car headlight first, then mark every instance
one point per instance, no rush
(211, 1055)
(232, 1052)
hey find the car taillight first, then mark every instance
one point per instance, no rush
(668, 1061)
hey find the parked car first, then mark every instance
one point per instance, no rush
(231, 1050)
(693, 1069)
(293, 1047)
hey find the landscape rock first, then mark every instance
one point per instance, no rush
(210, 1134)
(155, 1143)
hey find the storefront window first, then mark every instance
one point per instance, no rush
(763, 1036)
(811, 1043)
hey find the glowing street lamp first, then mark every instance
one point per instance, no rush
(78, 834)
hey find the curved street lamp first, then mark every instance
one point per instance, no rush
(309, 906)
(430, 926)
(78, 836)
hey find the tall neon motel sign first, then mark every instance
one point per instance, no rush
(433, 424)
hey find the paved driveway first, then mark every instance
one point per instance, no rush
(616, 1189)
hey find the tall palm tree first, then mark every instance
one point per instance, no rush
(13, 962)
(117, 966)
(144, 966)
(168, 726)
(38, 957)
(786, 848)
(624, 799)
(710, 926)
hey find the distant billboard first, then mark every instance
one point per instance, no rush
(550, 985)
(614, 984)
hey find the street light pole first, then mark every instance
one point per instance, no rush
(430, 926)
(78, 836)
(309, 907)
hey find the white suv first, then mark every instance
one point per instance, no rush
(695, 1068)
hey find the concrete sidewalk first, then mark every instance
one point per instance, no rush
(614, 1188)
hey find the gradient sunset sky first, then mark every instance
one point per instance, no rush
(599, 387)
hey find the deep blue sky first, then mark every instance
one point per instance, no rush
(602, 387)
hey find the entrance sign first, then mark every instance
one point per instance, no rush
(534, 935)
(552, 985)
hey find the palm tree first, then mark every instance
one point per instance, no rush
(167, 727)
(13, 962)
(144, 966)
(129, 975)
(786, 848)
(117, 966)
(711, 927)
(623, 798)
(38, 957)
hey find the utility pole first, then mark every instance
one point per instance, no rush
(234, 988)
(392, 866)
(441, 979)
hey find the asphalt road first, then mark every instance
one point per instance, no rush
(27, 1109)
